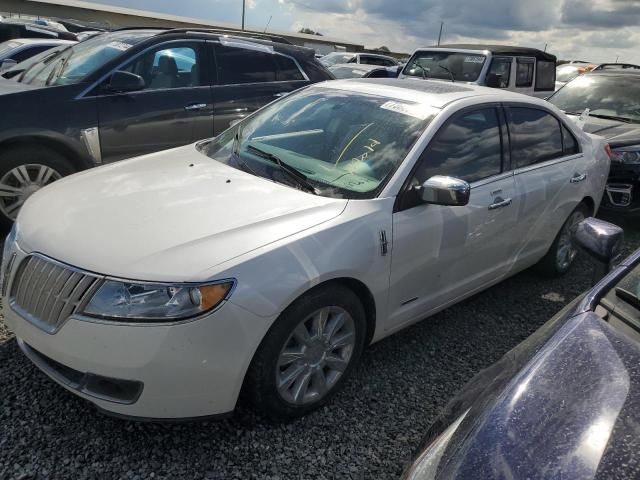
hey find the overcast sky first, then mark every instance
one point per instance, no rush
(593, 30)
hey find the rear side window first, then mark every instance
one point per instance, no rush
(502, 68)
(243, 65)
(286, 69)
(545, 75)
(524, 72)
(469, 147)
(535, 136)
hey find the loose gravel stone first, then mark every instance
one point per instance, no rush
(368, 432)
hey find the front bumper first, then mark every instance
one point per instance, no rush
(622, 192)
(149, 371)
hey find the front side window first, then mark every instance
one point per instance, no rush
(502, 68)
(609, 96)
(469, 148)
(346, 144)
(535, 136)
(168, 67)
(524, 72)
(465, 67)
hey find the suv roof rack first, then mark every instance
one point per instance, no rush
(234, 33)
(607, 66)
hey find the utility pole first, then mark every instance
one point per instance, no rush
(545, 46)
(243, 4)
(617, 57)
(265, 28)
(440, 35)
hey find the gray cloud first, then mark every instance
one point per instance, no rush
(611, 14)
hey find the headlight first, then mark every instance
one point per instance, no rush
(155, 302)
(628, 155)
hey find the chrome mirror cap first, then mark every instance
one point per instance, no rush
(441, 190)
(602, 240)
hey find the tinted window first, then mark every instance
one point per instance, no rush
(286, 69)
(28, 53)
(383, 62)
(535, 136)
(161, 68)
(501, 67)
(524, 72)
(613, 95)
(241, 65)
(468, 148)
(569, 143)
(545, 75)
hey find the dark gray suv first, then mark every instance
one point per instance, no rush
(132, 92)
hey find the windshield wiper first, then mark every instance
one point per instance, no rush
(299, 177)
(628, 297)
(422, 69)
(449, 72)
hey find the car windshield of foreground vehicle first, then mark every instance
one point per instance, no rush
(74, 64)
(343, 144)
(336, 58)
(608, 96)
(465, 67)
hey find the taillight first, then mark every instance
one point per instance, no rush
(607, 149)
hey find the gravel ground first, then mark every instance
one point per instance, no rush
(368, 432)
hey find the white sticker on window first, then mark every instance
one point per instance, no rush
(119, 45)
(411, 109)
(473, 59)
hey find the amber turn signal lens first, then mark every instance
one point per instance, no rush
(212, 295)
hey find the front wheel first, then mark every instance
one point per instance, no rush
(24, 171)
(563, 252)
(308, 354)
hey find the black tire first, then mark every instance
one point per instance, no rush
(260, 389)
(29, 155)
(551, 265)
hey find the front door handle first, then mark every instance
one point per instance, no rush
(500, 203)
(577, 178)
(195, 107)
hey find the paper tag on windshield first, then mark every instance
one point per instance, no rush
(119, 45)
(411, 109)
(473, 59)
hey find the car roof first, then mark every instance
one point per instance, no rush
(616, 71)
(497, 50)
(434, 93)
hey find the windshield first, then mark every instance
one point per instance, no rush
(75, 63)
(465, 67)
(607, 95)
(336, 57)
(346, 144)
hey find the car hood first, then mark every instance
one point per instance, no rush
(556, 416)
(8, 87)
(168, 216)
(618, 134)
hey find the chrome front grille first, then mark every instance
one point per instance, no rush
(46, 292)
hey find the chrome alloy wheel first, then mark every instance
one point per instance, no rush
(315, 356)
(20, 183)
(567, 251)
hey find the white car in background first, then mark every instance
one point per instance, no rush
(267, 258)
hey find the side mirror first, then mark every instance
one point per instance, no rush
(494, 80)
(441, 190)
(601, 240)
(7, 64)
(125, 82)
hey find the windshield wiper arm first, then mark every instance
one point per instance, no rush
(628, 297)
(453, 80)
(299, 177)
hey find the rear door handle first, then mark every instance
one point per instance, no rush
(195, 107)
(578, 178)
(500, 203)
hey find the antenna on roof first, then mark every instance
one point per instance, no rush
(265, 28)
(440, 35)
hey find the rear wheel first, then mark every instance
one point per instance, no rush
(563, 252)
(308, 354)
(24, 171)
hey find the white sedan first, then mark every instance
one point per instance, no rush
(266, 259)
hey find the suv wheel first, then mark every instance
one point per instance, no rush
(308, 354)
(24, 171)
